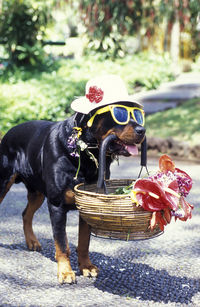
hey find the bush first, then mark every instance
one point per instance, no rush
(22, 24)
(27, 95)
(45, 97)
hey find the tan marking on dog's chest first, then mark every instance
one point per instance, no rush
(69, 197)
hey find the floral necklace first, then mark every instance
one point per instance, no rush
(74, 142)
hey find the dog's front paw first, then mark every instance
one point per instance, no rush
(89, 271)
(65, 275)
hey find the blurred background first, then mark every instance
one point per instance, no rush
(49, 49)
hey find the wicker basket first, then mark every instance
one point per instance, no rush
(113, 216)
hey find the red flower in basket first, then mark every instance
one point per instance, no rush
(150, 195)
(164, 193)
(166, 164)
(95, 94)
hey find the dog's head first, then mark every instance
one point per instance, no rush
(125, 120)
(109, 110)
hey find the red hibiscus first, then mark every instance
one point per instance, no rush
(95, 94)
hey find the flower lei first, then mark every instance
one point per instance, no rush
(164, 194)
(77, 145)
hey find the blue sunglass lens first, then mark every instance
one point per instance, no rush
(121, 114)
(138, 117)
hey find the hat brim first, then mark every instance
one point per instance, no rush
(83, 105)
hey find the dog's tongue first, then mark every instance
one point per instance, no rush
(132, 149)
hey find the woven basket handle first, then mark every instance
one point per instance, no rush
(143, 162)
(101, 186)
(102, 162)
(144, 152)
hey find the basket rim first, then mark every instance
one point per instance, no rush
(76, 189)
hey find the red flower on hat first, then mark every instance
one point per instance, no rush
(95, 94)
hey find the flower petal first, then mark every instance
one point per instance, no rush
(166, 164)
(186, 208)
(184, 181)
(173, 198)
(146, 189)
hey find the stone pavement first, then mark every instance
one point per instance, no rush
(170, 94)
(164, 271)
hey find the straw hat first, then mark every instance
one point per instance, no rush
(101, 91)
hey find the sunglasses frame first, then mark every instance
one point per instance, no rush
(110, 108)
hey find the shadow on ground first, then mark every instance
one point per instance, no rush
(125, 278)
(143, 282)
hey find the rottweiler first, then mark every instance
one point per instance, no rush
(40, 154)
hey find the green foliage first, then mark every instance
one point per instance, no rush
(188, 13)
(124, 190)
(22, 25)
(46, 96)
(181, 123)
(27, 95)
(108, 21)
(193, 26)
(145, 70)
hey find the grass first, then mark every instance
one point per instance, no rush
(181, 123)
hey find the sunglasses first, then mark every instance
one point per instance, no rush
(120, 114)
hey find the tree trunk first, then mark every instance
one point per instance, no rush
(175, 40)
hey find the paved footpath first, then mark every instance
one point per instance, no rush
(160, 272)
(170, 94)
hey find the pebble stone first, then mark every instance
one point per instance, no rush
(164, 271)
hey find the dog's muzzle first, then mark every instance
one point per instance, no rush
(127, 146)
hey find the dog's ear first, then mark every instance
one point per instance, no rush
(81, 120)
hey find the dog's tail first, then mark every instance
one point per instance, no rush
(7, 178)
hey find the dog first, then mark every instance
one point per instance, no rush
(38, 153)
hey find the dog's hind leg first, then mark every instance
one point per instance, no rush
(35, 201)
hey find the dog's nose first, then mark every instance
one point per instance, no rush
(140, 130)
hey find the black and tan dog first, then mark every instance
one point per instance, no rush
(38, 154)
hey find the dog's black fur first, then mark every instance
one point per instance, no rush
(37, 154)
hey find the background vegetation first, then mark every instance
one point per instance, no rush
(145, 42)
(27, 95)
(22, 27)
(169, 25)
